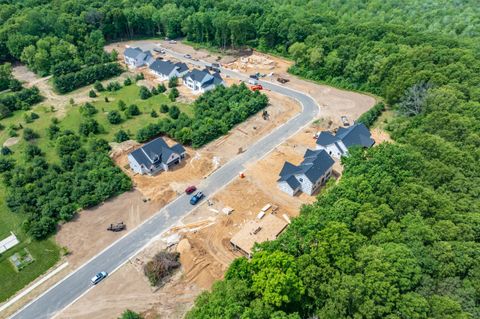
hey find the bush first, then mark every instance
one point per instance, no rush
(161, 88)
(88, 75)
(161, 266)
(369, 117)
(21, 100)
(34, 116)
(31, 151)
(144, 93)
(127, 81)
(154, 91)
(6, 164)
(114, 117)
(132, 110)
(98, 86)
(153, 114)
(122, 105)
(174, 112)
(92, 94)
(173, 94)
(121, 136)
(164, 108)
(88, 109)
(5, 151)
(173, 82)
(12, 133)
(113, 86)
(128, 314)
(139, 77)
(29, 134)
(89, 126)
(53, 131)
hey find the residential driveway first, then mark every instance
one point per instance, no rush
(78, 282)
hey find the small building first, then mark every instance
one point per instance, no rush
(257, 231)
(165, 70)
(155, 156)
(337, 145)
(314, 171)
(135, 57)
(200, 81)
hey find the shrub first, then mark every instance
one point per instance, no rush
(128, 314)
(154, 91)
(6, 164)
(173, 82)
(173, 94)
(174, 112)
(153, 114)
(161, 266)
(114, 117)
(127, 81)
(144, 93)
(89, 126)
(53, 131)
(92, 94)
(88, 109)
(369, 117)
(34, 116)
(5, 151)
(31, 151)
(29, 134)
(121, 136)
(161, 88)
(98, 86)
(122, 105)
(132, 110)
(12, 133)
(139, 77)
(113, 86)
(164, 108)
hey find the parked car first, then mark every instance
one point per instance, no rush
(172, 41)
(196, 198)
(190, 189)
(99, 277)
(161, 51)
(188, 56)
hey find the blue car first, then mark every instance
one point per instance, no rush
(196, 198)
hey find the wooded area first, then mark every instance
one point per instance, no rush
(398, 237)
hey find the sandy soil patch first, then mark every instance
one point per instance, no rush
(11, 141)
(380, 136)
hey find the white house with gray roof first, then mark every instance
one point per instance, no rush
(165, 70)
(314, 171)
(337, 145)
(155, 156)
(135, 57)
(200, 81)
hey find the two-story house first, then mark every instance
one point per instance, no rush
(165, 70)
(337, 145)
(314, 171)
(155, 156)
(200, 81)
(135, 57)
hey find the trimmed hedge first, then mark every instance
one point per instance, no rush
(369, 117)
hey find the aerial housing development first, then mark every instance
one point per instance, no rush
(232, 159)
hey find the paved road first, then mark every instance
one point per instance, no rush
(78, 282)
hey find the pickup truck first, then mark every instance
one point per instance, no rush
(196, 198)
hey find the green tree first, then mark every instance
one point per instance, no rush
(121, 136)
(114, 117)
(173, 94)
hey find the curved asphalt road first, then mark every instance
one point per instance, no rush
(77, 283)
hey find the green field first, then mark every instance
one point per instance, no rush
(46, 253)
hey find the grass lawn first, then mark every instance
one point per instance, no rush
(383, 119)
(46, 253)
(130, 95)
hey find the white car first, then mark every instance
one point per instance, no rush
(99, 277)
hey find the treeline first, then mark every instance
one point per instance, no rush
(47, 193)
(20, 100)
(215, 113)
(369, 117)
(68, 82)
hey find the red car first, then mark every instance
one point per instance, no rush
(190, 189)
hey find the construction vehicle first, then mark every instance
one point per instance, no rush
(117, 227)
(257, 87)
(282, 80)
(344, 120)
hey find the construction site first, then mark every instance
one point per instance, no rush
(250, 209)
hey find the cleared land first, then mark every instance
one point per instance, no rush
(205, 248)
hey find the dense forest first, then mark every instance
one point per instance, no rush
(398, 236)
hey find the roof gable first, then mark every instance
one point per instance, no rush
(357, 134)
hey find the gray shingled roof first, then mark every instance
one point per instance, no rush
(132, 52)
(357, 134)
(162, 67)
(156, 151)
(314, 165)
(182, 67)
(138, 54)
